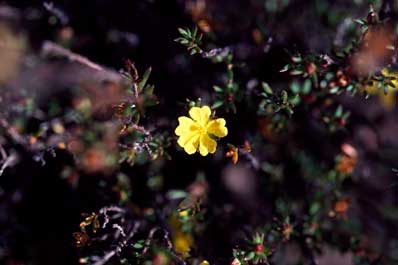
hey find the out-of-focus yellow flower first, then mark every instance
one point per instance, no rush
(11, 53)
(198, 131)
(183, 213)
(205, 262)
(182, 241)
(388, 99)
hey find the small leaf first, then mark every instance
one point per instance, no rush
(195, 31)
(285, 68)
(296, 72)
(284, 96)
(339, 112)
(183, 32)
(176, 194)
(218, 89)
(250, 256)
(267, 89)
(144, 79)
(138, 245)
(297, 59)
(315, 207)
(334, 90)
(217, 104)
(359, 21)
(295, 87)
(306, 86)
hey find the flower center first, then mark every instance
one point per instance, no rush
(202, 129)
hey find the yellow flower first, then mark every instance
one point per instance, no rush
(198, 131)
(388, 99)
(183, 213)
(182, 241)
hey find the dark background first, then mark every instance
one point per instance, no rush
(39, 210)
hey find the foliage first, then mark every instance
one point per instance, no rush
(293, 171)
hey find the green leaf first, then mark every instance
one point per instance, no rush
(296, 72)
(267, 89)
(284, 96)
(217, 104)
(250, 255)
(334, 90)
(285, 68)
(339, 112)
(346, 115)
(295, 87)
(138, 245)
(144, 79)
(295, 100)
(230, 74)
(306, 86)
(297, 59)
(218, 89)
(359, 21)
(195, 31)
(176, 194)
(183, 32)
(315, 207)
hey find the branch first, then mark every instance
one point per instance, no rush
(56, 12)
(51, 49)
(12, 132)
(8, 162)
(119, 247)
(166, 238)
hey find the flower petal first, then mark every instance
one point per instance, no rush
(186, 125)
(200, 115)
(192, 144)
(207, 145)
(217, 127)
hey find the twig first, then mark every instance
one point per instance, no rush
(12, 132)
(166, 238)
(140, 129)
(253, 160)
(149, 239)
(104, 211)
(49, 6)
(119, 248)
(3, 152)
(7, 162)
(50, 48)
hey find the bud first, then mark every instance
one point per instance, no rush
(372, 17)
(236, 262)
(341, 122)
(311, 68)
(259, 248)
